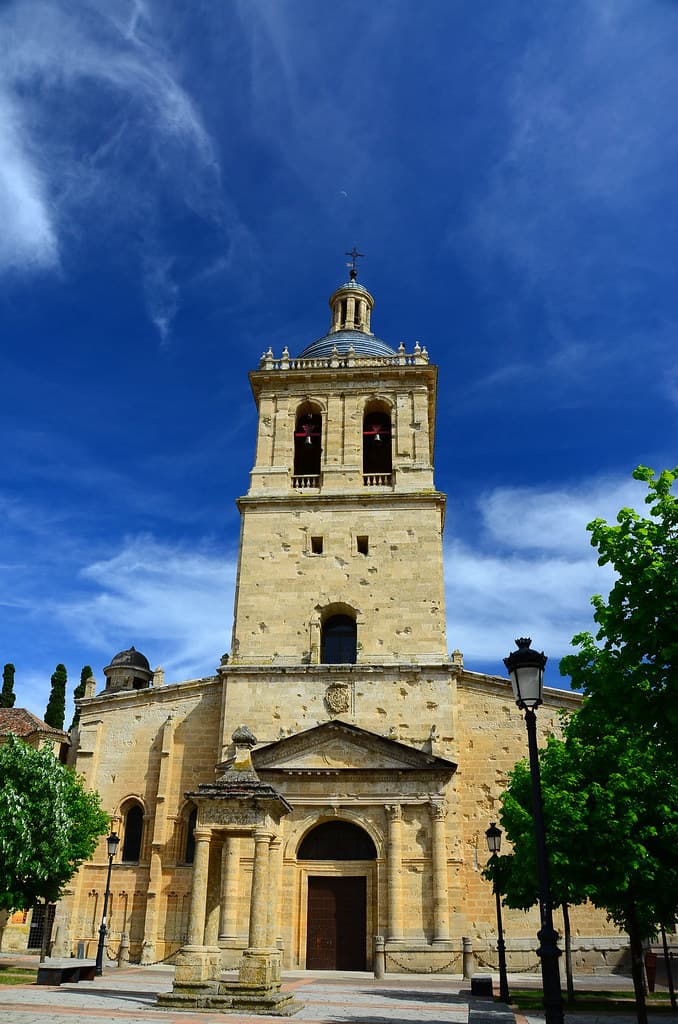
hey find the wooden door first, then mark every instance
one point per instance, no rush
(336, 929)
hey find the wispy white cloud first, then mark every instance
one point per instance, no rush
(61, 173)
(530, 569)
(172, 602)
(28, 237)
(591, 131)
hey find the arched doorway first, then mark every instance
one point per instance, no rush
(336, 926)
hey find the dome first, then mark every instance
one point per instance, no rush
(363, 345)
(351, 306)
(133, 658)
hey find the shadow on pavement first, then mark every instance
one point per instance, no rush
(420, 995)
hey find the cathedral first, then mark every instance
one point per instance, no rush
(328, 789)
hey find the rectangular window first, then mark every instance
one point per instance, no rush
(316, 545)
(363, 545)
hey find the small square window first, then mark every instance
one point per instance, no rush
(316, 545)
(363, 545)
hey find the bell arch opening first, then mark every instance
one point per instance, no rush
(377, 448)
(308, 426)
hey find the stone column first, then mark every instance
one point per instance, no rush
(395, 867)
(275, 882)
(196, 917)
(259, 896)
(441, 914)
(230, 873)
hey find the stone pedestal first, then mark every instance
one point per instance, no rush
(260, 967)
(197, 964)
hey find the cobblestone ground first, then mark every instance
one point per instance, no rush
(129, 996)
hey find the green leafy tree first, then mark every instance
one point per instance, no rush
(78, 692)
(56, 705)
(49, 825)
(632, 663)
(514, 874)
(7, 696)
(625, 733)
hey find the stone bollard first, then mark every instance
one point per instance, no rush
(379, 957)
(123, 952)
(468, 964)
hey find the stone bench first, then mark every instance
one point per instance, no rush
(56, 972)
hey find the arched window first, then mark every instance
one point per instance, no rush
(133, 829)
(189, 845)
(307, 448)
(337, 840)
(339, 641)
(377, 458)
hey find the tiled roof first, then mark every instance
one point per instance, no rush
(24, 723)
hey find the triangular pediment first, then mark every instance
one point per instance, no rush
(340, 746)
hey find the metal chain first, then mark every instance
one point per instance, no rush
(418, 970)
(495, 967)
(153, 963)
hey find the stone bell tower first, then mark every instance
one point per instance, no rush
(341, 536)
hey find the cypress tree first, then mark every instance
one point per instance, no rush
(7, 696)
(79, 691)
(56, 705)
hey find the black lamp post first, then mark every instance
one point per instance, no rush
(493, 836)
(112, 843)
(526, 669)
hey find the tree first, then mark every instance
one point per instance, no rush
(85, 674)
(515, 874)
(7, 696)
(636, 656)
(49, 825)
(625, 733)
(56, 705)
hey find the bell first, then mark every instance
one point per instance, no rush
(377, 437)
(309, 439)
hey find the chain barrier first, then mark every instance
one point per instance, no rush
(495, 967)
(152, 963)
(417, 970)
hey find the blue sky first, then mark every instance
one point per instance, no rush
(178, 185)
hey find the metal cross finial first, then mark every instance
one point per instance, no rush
(354, 254)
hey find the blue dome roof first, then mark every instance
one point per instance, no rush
(363, 345)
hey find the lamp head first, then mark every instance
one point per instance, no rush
(112, 843)
(493, 836)
(526, 669)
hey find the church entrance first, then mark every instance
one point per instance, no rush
(336, 928)
(336, 919)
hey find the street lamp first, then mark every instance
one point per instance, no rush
(493, 836)
(112, 843)
(526, 669)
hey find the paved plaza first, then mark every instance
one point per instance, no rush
(128, 997)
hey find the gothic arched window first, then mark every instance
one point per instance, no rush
(339, 641)
(377, 458)
(307, 448)
(132, 831)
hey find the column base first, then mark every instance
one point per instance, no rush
(197, 964)
(198, 984)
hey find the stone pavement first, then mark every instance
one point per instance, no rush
(128, 997)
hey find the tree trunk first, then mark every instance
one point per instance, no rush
(637, 968)
(45, 933)
(568, 954)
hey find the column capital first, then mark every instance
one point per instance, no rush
(437, 808)
(394, 811)
(202, 834)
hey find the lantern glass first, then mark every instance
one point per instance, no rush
(112, 842)
(526, 681)
(493, 836)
